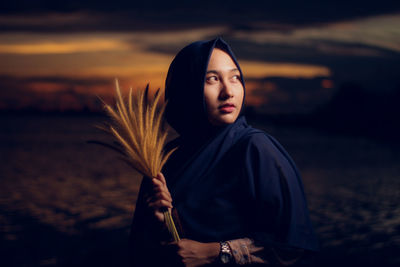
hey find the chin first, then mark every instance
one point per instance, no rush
(224, 120)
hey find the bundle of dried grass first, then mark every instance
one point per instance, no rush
(137, 125)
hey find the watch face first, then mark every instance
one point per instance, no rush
(225, 258)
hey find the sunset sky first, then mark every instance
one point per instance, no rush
(294, 57)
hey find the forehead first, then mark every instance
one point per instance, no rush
(219, 59)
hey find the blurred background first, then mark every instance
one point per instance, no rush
(321, 76)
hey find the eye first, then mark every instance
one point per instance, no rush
(211, 79)
(236, 78)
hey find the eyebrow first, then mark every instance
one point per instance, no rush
(216, 72)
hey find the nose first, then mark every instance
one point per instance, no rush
(226, 90)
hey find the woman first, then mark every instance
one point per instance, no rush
(234, 191)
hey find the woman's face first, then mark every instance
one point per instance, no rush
(223, 89)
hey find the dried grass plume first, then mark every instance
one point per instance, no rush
(137, 125)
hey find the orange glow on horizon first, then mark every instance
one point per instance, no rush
(62, 48)
(73, 69)
(288, 70)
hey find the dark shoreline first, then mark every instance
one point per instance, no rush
(64, 202)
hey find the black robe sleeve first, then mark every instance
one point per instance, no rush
(147, 234)
(278, 210)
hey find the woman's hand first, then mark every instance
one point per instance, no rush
(192, 253)
(160, 200)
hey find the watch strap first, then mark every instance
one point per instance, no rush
(225, 248)
(225, 254)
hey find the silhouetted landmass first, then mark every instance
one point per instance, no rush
(352, 110)
(356, 110)
(283, 95)
(33, 111)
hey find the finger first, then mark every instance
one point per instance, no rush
(159, 216)
(157, 190)
(159, 204)
(159, 196)
(158, 186)
(161, 177)
(157, 183)
(163, 195)
(181, 243)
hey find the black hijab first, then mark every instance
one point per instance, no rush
(184, 89)
(232, 181)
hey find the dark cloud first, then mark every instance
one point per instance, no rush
(374, 68)
(158, 15)
(374, 72)
(316, 52)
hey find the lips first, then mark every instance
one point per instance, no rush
(227, 108)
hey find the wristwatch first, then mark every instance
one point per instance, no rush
(225, 253)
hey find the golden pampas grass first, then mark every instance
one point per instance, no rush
(137, 125)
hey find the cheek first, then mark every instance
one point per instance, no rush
(209, 96)
(207, 100)
(240, 94)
